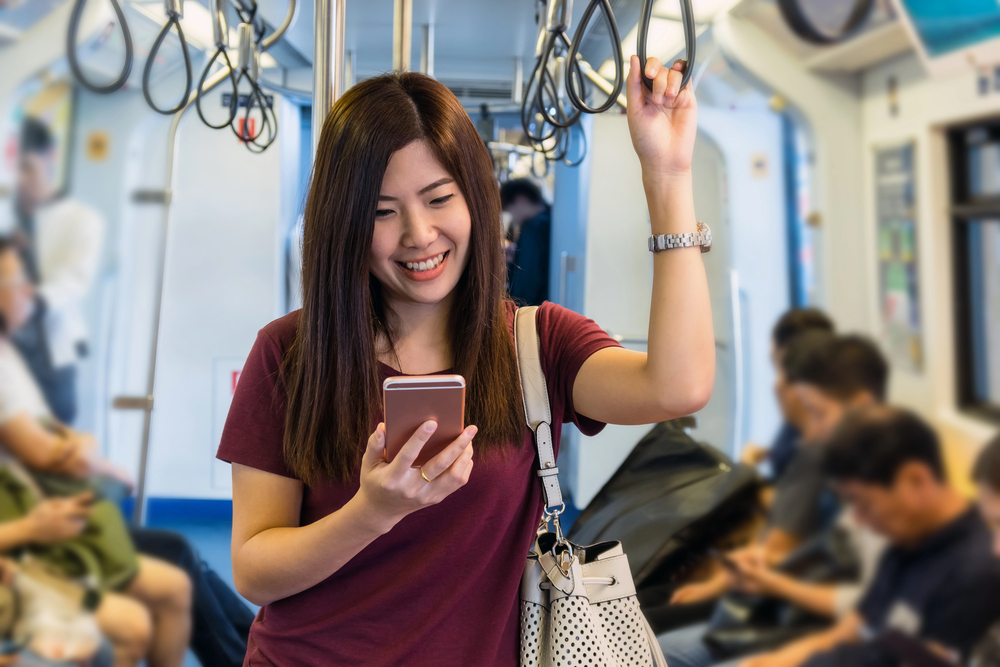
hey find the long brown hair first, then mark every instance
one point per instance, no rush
(331, 371)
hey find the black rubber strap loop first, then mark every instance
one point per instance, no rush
(690, 40)
(579, 100)
(234, 103)
(74, 64)
(174, 20)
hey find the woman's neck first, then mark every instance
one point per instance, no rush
(423, 340)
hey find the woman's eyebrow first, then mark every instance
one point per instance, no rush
(436, 184)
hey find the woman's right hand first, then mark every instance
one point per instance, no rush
(393, 490)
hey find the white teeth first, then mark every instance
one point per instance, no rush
(426, 265)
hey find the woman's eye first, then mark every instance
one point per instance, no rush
(383, 212)
(441, 200)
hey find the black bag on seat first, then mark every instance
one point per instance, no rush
(670, 500)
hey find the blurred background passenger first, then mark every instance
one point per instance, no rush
(801, 506)
(528, 240)
(939, 579)
(60, 242)
(153, 618)
(789, 326)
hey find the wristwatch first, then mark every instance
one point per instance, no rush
(703, 238)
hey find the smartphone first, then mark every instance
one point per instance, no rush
(726, 561)
(411, 400)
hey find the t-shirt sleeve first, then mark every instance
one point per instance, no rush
(567, 339)
(255, 428)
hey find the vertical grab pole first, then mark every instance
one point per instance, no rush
(328, 63)
(145, 403)
(402, 35)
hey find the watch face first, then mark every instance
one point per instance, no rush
(704, 229)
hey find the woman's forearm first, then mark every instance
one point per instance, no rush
(681, 349)
(280, 562)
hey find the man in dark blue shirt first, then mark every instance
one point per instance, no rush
(939, 582)
(528, 241)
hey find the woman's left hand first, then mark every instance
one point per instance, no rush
(663, 122)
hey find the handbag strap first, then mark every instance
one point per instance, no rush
(535, 396)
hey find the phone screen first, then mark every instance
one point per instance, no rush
(410, 401)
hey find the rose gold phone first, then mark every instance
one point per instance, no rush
(411, 400)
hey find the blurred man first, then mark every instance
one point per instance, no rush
(939, 582)
(528, 241)
(60, 243)
(792, 324)
(827, 375)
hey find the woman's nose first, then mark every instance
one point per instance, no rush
(418, 230)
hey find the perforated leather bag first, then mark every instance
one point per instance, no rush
(578, 604)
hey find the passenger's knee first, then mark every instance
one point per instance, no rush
(179, 589)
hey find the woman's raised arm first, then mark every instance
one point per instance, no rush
(675, 377)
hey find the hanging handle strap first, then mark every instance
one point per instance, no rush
(535, 395)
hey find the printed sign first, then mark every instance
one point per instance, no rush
(899, 295)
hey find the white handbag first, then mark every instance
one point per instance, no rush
(578, 604)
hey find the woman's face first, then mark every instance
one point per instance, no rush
(422, 228)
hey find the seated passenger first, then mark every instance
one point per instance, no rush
(938, 582)
(828, 375)
(152, 617)
(793, 323)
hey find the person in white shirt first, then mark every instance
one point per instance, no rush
(60, 241)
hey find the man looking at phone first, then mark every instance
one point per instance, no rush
(830, 375)
(938, 581)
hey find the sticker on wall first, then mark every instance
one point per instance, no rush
(98, 145)
(758, 165)
(896, 225)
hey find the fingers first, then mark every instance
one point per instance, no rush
(85, 498)
(450, 454)
(375, 451)
(634, 85)
(674, 77)
(411, 450)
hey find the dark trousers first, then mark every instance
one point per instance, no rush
(58, 385)
(221, 619)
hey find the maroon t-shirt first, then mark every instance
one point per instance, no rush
(441, 588)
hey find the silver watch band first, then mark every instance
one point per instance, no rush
(703, 238)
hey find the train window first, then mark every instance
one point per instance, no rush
(975, 159)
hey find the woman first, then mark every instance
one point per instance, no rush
(355, 561)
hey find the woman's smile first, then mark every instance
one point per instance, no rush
(426, 269)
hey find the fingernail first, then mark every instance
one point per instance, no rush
(472, 431)
(430, 426)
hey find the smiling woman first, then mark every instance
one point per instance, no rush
(356, 560)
